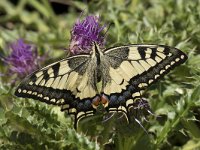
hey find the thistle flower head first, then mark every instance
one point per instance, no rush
(84, 33)
(23, 58)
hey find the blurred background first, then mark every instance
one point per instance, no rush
(46, 24)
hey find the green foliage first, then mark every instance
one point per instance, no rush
(28, 124)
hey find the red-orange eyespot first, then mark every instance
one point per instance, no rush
(104, 100)
(95, 102)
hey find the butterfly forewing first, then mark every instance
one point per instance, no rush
(68, 83)
(133, 68)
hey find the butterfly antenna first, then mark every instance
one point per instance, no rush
(105, 34)
(82, 13)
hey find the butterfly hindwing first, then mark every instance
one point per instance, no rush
(135, 67)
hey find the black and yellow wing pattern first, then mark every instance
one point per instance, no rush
(122, 73)
(133, 68)
(67, 83)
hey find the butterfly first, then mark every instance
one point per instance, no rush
(112, 78)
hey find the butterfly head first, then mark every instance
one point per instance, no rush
(96, 49)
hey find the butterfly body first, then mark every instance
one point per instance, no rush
(112, 77)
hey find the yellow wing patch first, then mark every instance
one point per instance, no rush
(58, 80)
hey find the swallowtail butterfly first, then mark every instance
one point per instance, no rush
(112, 78)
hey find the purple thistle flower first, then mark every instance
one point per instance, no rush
(23, 58)
(84, 33)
